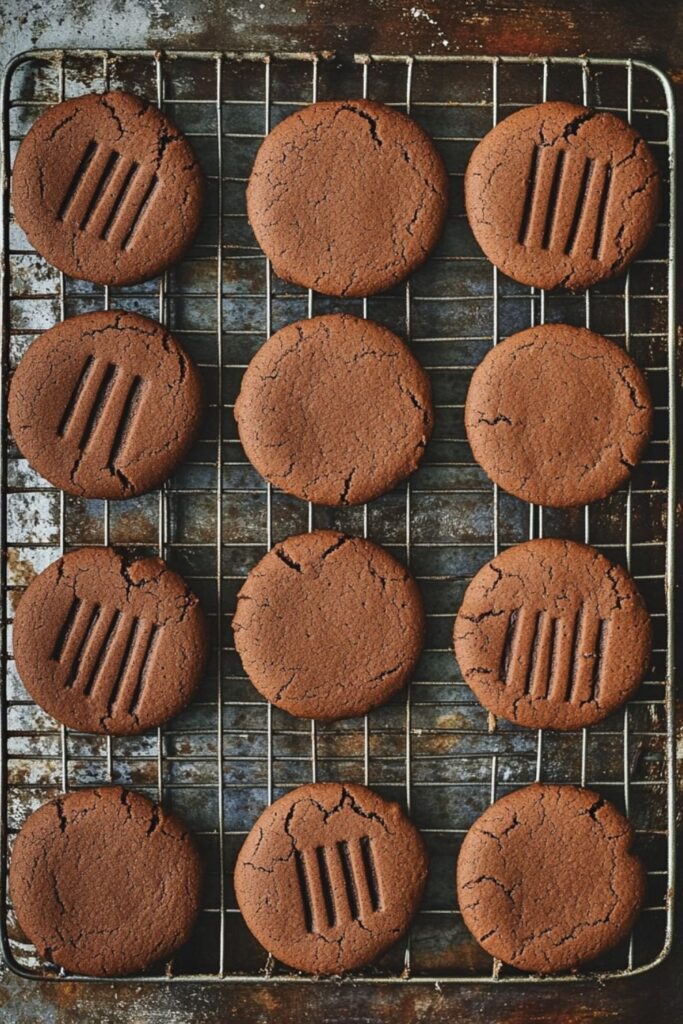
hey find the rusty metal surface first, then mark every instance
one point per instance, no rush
(514, 28)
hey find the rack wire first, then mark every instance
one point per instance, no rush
(434, 748)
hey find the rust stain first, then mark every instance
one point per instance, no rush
(452, 720)
(21, 571)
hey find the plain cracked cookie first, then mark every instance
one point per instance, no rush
(335, 410)
(105, 405)
(347, 197)
(546, 879)
(330, 876)
(104, 882)
(107, 188)
(550, 634)
(559, 195)
(107, 646)
(328, 626)
(558, 415)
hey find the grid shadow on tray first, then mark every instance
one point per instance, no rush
(434, 747)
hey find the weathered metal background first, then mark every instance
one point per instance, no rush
(434, 748)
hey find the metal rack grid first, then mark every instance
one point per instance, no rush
(433, 748)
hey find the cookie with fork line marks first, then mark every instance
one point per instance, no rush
(107, 188)
(550, 634)
(559, 195)
(330, 876)
(105, 405)
(106, 646)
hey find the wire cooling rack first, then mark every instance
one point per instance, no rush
(433, 748)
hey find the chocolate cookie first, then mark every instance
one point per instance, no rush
(558, 415)
(105, 405)
(335, 410)
(347, 197)
(550, 634)
(328, 626)
(546, 879)
(104, 882)
(107, 646)
(558, 195)
(330, 876)
(107, 188)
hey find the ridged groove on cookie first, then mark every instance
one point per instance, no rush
(565, 202)
(139, 212)
(100, 646)
(125, 422)
(558, 658)
(338, 884)
(102, 404)
(123, 191)
(579, 204)
(77, 178)
(65, 631)
(108, 195)
(152, 640)
(602, 213)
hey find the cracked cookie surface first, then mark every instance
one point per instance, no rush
(558, 415)
(330, 876)
(559, 195)
(550, 634)
(546, 879)
(104, 882)
(106, 646)
(107, 188)
(347, 197)
(328, 626)
(105, 405)
(335, 410)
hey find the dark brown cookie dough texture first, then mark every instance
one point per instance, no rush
(107, 188)
(105, 405)
(546, 879)
(559, 195)
(335, 410)
(347, 197)
(107, 646)
(550, 634)
(330, 876)
(328, 626)
(558, 415)
(104, 882)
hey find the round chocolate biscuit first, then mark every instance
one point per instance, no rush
(347, 197)
(328, 626)
(558, 415)
(105, 405)
(546, 879)
(335, 410)
(107, 646)
(550, 634)
(559, 195)
(330, 876)
(104, 882)
(107, 188)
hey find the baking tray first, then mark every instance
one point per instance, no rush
(433, 747)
